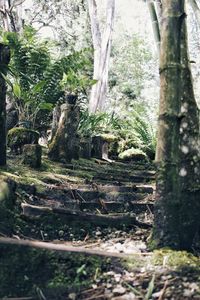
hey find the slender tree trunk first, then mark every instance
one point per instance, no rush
(155, 22)
(177, 204)
(196, 10)
(3, 10)
(4, 60)
(11, 22)
(158, 5)
(102, 48)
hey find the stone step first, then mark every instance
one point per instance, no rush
(101, 205)
(119, 188)
(64, 195)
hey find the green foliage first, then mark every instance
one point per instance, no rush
(130, 68)
(135, 131)
(36, 77)
(76, 83)
(93, 124)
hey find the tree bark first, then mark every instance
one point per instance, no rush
(4, 61)
(102, 48)
(177, 204)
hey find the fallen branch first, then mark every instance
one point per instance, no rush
(58, 247)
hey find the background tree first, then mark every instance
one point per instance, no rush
(102, 48)
(155, 20)
(177, 192)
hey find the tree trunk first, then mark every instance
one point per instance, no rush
(155, 23)
(7, 15)
(102, 48)
(177, 204)
(4, 60)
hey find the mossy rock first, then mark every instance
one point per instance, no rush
(133, 154)
(7, 193)
(7, 202)
(18, 137)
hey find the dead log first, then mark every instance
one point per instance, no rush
(78, 216)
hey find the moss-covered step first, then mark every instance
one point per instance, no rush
(68, 217)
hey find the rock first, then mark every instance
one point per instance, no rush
(119, 290)
(7, 193)
(129, 296)
(32, 155)
(7, 202)
(72, 296)
(133, 154)
(85, 147)
(61, 233)
(18, 137)
(98, 233)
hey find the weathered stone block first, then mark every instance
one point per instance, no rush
(65, 144)
(100, 145)
(32, 155)
(85, 147)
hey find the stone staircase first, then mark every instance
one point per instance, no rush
(101, 189)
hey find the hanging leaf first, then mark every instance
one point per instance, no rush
(38, 87)
(17, 90)
(47, 106)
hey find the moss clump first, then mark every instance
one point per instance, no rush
(133, 154)
(176, 259)
(18, 137)
(108, 137)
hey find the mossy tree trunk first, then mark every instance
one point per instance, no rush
(4, 60)
(177, 204)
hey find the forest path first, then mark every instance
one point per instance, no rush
(100, 209)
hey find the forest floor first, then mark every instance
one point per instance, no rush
(96, 218)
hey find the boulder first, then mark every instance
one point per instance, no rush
(32, 155)
(7, 193)
(18, 137)
(7, 202)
